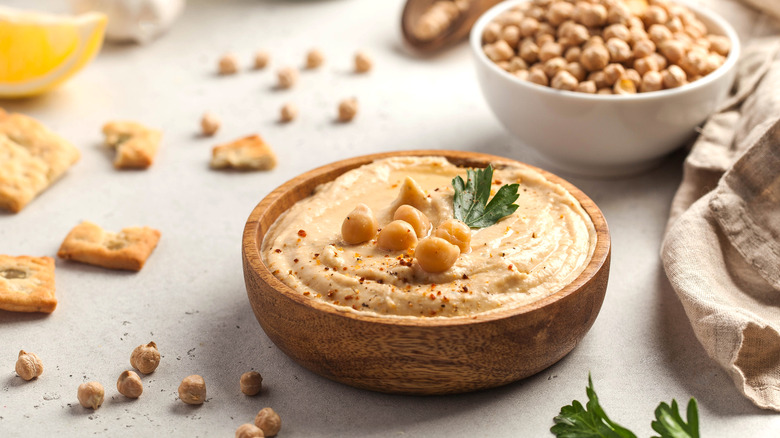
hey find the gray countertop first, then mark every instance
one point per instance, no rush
(190, 297)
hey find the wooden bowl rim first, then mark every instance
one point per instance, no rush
(251, 243)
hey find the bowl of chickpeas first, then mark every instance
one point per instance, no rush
(606, 87)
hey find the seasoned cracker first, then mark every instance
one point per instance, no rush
(31, 159)
(135, 144)
(127, 249)
(248, 153)
(27, 284)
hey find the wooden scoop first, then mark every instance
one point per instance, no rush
(457, 30)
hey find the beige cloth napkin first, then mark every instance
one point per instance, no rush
(721, 251)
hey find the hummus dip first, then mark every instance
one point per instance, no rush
(534, 252)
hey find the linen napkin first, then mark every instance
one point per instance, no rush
(721, 251)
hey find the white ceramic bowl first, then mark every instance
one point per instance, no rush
(602, 135)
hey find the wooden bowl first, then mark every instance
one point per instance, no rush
(419, 356)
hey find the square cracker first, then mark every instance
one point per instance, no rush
(27, 284)
(127, 249)
(248, 153)
(31, 159)
(135, 144)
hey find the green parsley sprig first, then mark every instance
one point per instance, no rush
(590, 421)
(470, 202)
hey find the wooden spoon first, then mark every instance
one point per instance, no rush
(457, 30)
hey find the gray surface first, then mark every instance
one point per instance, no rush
(190, 297)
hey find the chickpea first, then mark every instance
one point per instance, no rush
(536, 13)
(542, 39)
(359, 226)
(499, 51)
(594, 15)
(613, 72)
(268, 421)
(618, 14)
(412, 194)
(528, 26)
(228, 64)
(673, 77)
(261, 59)
(635, 23)
(719, 44)
(651, 81)
(549, 51)
(192, 390)
(594, 58)
(435, 254)
(529, 51)
(695, 28)
(619, 50)
(662, 62)
(521, 74)
(675, 24)
(517, 63)
(288, 113)
(553, 66)
(619, 31)
(414, 217)
(586, 87)
(599, 78)
(347, 109)
(643, 48)
(491, 32)
(655, 15)
(538, 76)
(209, 124)
(129, 384)
(595, 40)
(563, 80)
(712, 63)
(673, 50)
(545, 29)
(249, 430)
(145, 358)
(605, 91)
(363, 62)
(510, 18)
(287, 77)
(573, 54)
(511, 35)
(624, 86)
(456, 233)
(559, 12)
(314, 59)
(659, 33)
(646, 64)
(694, 62)
(28, 365)
(397, 236)
(91, 394)
(503, 65)
(252, 382)
(577, 70)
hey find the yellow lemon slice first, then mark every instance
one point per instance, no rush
(39, 51)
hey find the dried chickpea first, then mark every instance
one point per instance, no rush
(359, 226)
(521, 74)
(511, 34)
(517, 63)
(536, 13)
(192, 390)
(577, 70)
(618, 13)
(634, 77)
(675, 24)
(695, 28)
(228, 64)
(693, 62)
(209, 124)
(268, 421)
(586, 87)
(288, 112)
(646, 64)
(712, 63)
(559, 12)
(528, 26)
(529, 51)
(145, 358)
(347, 109)
(414, 217)
(594, 15)
(510, 18)
(249, 430)
(604, 91)
(651, 81)
(435, 254)
(503, 65)
(553, 66)
(261, 59)
(619, 31)
(91, 394)
(251, 382)
(563, 80)
(573, 54)
(655, 15)
(673, 77)
(659, 33)
(455, 232)
(499, 51)
(28, 365)
(314, 59)
(545, 29)
(719, 44)
(595, 57)
(619, 50)
(397, 236)
(543, 39)
(129, 384)
(491, 32)
(595, 40)
(643, 48)
(662, 62)
(363, 62)
(287, 77)
(673, 50)
(613, 72)
(624, 86)
(549, 51)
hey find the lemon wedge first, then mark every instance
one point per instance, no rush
(40, 51)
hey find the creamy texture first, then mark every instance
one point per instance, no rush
(526, 256)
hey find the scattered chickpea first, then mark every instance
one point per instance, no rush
(261, 59)
(129, 384)
(209, 124)
(359, 226)
(455, 232)
(414, 217)
(249, 430)
(288, 113)
(228, 64)
(91, 394)
(314, 59)
(363, 62)
(398, 235)
(28, 365)
(252, 382)
(268, 421)
(287, 76)
(435, 254)
(192, 390)
(348, 109)
(145, 358)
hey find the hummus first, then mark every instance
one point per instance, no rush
(524, 257)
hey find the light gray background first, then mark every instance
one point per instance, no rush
(190, 297)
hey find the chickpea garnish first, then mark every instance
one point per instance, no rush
(348, 109)
(28, 365)
(287, 77)
(145, 358)
(251, 383)
(359, 226)
(228, 64)
(91, 394)
(456, 233)
(397, 236)
(249, 430)
(414, 217)
(268, 421)
(363, 62)
(435, 254)
(314, 59)
(129, 384)
(192, 390)
(209, 124)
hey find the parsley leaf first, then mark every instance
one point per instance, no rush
(670, 424)
(470, 202)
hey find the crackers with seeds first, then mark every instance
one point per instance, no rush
(135, 144)
(248, 153)
(127, 249)
(27, 284)
(31, 159)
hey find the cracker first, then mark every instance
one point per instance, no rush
(27, 284)
(248, 153)
(135, 144)
(127, 249)
(31, 159)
